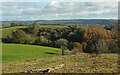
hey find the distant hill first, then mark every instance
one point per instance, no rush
(68, 22)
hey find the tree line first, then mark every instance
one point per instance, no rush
(76, 39)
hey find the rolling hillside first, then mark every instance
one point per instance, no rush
(8, 31)
(80, 63)
(14, 52)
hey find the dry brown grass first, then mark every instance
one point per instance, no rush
(80, 63)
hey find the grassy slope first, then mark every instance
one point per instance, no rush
(8, 31)
(54, 26)
(14, 52)
(80, 63)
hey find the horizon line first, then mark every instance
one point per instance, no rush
(66, 19)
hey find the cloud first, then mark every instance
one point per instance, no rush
(59, 0)
(58, 10)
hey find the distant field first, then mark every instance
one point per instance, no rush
(8, 31)
(14, 52)
(54, 26)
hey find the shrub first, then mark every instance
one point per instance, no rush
(21, 24)
(61, 42)
(77, 46)
(84, 45)
(29, 39)
(113, 47)
(90, 48)
(42, 41)
(14, 24)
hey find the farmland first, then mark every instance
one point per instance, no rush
(8, 31)
(15, 52)
(59, 37)
(41, 49)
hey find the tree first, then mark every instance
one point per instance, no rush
(19, 36)
(14, 24)
(93, 34)
(35, 28)
(75, 25)
(42, 41)
(101, 47)
(21, 24)
(62, 43)
(29, 39)
(77, 46)
(107, 27)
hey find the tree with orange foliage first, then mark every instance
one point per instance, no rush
(94, 33)
(77, 47)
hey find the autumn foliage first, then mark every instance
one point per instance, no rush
(77, 46)
(94, 33)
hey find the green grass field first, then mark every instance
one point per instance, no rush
(54, 26)
(14, 52)
(8, 31)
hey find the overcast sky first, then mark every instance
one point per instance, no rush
(58, 10)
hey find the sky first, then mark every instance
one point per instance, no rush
(51, 10)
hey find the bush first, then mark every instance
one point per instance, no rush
(42, 41)
(113, 47)
(90, 48)
(14, 24)
(29, 39)
(84, 45)
(61, 42)
(77, 47)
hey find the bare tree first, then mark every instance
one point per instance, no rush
(101, 46)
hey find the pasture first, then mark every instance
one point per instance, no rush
(8, 31)
(79, 63)
(15, 52)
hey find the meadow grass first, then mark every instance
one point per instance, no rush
(54, 26)
(14, 52)
(79, 63)
(8, 31)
